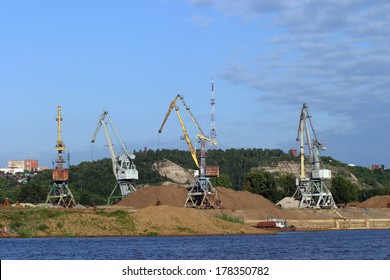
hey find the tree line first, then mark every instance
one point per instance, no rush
(240, 169)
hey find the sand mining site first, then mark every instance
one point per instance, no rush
(159, 211)
(251, 208)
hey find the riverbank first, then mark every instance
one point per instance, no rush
(175, 221)
(159, 211)
(324, 219)
(114, 221)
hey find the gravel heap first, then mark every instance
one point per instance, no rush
(175, 195)
(376, 202)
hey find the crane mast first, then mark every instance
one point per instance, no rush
(60, 193)
(311, 191)
(124, 169)
(202, 194)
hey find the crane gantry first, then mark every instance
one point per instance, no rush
(312, 191)
(60, 193)
(124, 170)
(202, 194)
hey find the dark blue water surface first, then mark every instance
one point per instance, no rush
(311, 245)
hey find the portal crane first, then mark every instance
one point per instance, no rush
(124, 170)
(60, 193)
(312, 192)
(202, 194)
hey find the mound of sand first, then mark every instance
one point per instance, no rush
(166, 220)
(288, 203)
(242, 202)
(376, 202)
(171, 195)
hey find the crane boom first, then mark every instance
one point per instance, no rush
(122, 163)
(171, 106)
(102, 123)
(192, 116)
(186, 137)
(183, 128)
(313, 147)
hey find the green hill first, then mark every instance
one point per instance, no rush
(272, 170)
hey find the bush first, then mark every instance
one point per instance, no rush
(224, 216)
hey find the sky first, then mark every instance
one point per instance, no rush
(132, 58)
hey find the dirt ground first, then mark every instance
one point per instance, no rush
(175, 195)
(168, 220)
(376, 202)
(159, 211)
(251, 207)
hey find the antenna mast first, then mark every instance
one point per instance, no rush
(213, 134)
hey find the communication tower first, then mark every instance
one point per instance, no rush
(213, 134)
(60, 193)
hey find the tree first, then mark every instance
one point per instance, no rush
(263, 183)
(343, 190)
(287, 182)
(31, 193)
(224, 181)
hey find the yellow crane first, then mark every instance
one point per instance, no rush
(60, 193)
(186, 137)
(202, 194)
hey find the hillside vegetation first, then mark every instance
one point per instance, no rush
(268, 172)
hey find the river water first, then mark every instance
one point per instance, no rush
(309, 245)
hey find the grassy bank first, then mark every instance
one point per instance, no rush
(65, 222)
(152, 221)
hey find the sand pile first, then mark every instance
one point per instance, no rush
(166, 220)
(288, 203)
(376, 202)
(174, 195)
(234, 200)
(171, 195)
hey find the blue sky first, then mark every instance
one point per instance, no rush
(132, 58)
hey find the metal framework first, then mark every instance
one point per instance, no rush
(60, 193)
(202, 194)
(312, 192)
(122, 163)
(213, 133)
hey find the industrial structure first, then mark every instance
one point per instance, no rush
(124, 170)
(202, 194)
(312, 191)
(60, 193)
(213, 133)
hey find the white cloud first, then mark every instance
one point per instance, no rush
(330, 54)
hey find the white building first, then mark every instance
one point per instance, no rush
(12, 170)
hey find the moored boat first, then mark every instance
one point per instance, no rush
(276, 224)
